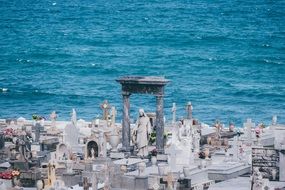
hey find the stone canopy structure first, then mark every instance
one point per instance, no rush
(143, 85)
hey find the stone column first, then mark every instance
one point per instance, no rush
(126, 131)
(37, 132)
(236, 149)
(282, 165)
(173, 113)
(159, 124)
(189, 109)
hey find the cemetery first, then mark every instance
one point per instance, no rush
(49, 154)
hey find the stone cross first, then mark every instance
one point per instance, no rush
(53, 117)
(51, 174)
(73, 117)
(189, 109)
(173, 113)
(105, 106)
(170, 181)
(94, 182)
(85, 183)
(248, 126)
(113, 114)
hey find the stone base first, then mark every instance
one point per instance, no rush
(141, 182)
(71, 179)
(162, 157)
(127, 182)
(117, 155)
(227, 171)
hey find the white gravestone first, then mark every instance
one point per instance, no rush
(71, 134)
(248, 128)
(235, 149)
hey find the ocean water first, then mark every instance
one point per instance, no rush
(226, 57)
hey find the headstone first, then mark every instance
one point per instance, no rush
(197, 138)
(37, 132)
(141, 168)
(71, 135)
(21, 121)
(173, 113)
(141, 183)
(235, 149)
(62, 152)
(172, 156)
(248, 127)
(268, 162)
(94, 182)
(103, 145)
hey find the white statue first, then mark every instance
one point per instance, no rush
(141, 132)
(73, 117)
(92, 153)
(53, 117)
(113, 116)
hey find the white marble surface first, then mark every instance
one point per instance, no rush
(129, 161)
(240, 183)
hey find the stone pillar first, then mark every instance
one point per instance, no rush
(37, 132)
(189, 109)
(282, 165)
(126, 131)
(236, 149)
(173, 113)
(2, 140)
(159, 124)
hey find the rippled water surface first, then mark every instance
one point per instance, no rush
(226, 57)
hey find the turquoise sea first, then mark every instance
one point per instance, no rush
(226, 57)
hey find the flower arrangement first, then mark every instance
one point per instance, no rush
(153, 152)
(9, 174)
(202, 155)
(9, 133)
(37, 117)
(152, 137)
